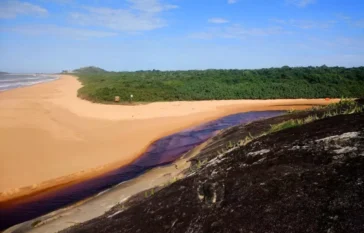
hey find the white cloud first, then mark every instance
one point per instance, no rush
(202, 35)
(60, 1)
(54, 30)
(218, 20)
(356, 43)
(301, 3)
(232, 1)
(141, 15)
(11, 9)
(151, 6)
(280, 21)
(118, 19)
(359, 23)
(343, 17)
(309, 24)
(306, 24)
(318, 42)
(347, 44)
(236, 32)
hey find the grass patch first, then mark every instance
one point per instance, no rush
(285, 125)
(148, 194)
(344, 107)
(36, 222)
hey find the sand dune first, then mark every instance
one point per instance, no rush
(49, 136)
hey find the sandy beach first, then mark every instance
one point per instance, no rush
(50, 137)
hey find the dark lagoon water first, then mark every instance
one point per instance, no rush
(161, 152)
(11, 81)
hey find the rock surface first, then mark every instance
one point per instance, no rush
(304, 179)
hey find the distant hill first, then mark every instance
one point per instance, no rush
(89, 69)
(3, 72)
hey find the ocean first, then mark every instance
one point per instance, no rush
(11, 81)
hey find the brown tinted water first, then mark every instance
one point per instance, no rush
(161, 152)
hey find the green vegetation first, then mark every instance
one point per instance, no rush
(36, 222)
(285, 82)
(230, 145)
(146, 193)
(344, 107)
(198, 165)
(173, 180)
(291, 110)
(285, 125)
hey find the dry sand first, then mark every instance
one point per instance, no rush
(49, 136)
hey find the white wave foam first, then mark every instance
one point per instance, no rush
(23, 79)
(4, 87)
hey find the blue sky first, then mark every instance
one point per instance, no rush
(127, 35)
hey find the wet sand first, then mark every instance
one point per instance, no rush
(50, 137)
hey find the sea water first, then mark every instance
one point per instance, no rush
(11, 81)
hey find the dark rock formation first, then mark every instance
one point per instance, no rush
(304, 179)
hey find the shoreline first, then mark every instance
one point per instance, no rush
(95, 205)
(62, 98)
(29, 84)
(26, 193)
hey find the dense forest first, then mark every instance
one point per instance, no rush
(272, 83)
